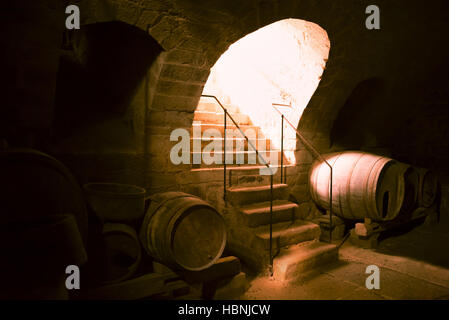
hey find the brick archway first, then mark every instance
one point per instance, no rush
(193, 41)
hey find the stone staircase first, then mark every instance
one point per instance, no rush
(295, 242)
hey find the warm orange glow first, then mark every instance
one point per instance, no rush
(280, 63)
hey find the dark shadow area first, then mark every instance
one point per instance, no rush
(353, 126)
(101, 67)
(418, 241)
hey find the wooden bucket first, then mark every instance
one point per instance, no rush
(183, 231)
(123, 252)
(116, 202)
(364, 185)
(34, 184)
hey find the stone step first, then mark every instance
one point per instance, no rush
(241, 170)
(259, 213)
(235, 165)
(288, 233)
(232, 132)
(240, 143)
(218, 117)
(253, 132)
(248, 195)
(254, 179)
(240, 157)
(297, 260)
(212, 106)
(236, 178)
(237, 175)
(215, 166)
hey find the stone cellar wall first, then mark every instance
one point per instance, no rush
(193, 35)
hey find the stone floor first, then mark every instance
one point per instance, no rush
(414, 264)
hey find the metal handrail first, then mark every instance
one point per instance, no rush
(238, 127)
(318, 154)
(226, 113)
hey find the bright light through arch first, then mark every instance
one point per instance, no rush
(279, 63)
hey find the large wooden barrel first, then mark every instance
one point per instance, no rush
(364, 185)
(34, 184)
(183, 231)
(428, 188)
(123, 252)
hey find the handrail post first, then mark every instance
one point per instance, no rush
(313, 150)
(271, 224)
(224, 157)
(261, 158)
(330, 205)
(282, 148)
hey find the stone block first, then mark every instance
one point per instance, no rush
(200, 75)
(338, 228)
(301, 192)
(159, 180)
(338, 233)
(303, 210)
(184, 73)
(175, 103)
(156, 117)
(171, 120)
(147, 18)
(179, 88)
(369, 242)
(247, 195)
(191, 44)
(296, 261)
(165, 31)
(186, 57)
(302, 178)
(365, 229)
(304, 156)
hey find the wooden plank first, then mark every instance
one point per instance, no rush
(134, 289)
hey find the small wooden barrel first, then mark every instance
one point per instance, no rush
(183, 231)
(364, 185)
(123, 252)
(428, 188)
(34, 185)
(116, 202)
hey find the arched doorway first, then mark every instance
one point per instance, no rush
(279, 65)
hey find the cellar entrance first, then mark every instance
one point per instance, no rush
(278, 67)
